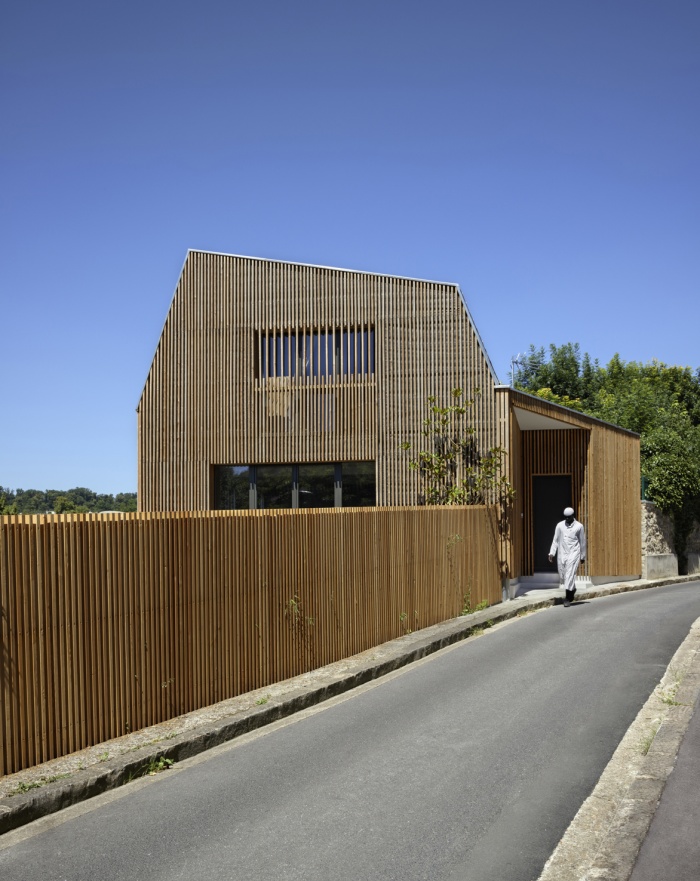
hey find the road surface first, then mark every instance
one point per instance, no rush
(468, 765)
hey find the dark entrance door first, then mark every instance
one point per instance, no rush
(550, 495)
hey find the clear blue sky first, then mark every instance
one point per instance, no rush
(543, 155)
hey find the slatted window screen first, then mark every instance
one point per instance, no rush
(316, 354)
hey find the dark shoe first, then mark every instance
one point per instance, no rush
(567, 598)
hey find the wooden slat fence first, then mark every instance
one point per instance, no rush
(111, 623)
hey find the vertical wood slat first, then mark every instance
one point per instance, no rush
(603, 461)
(112, 623)
(424, 340)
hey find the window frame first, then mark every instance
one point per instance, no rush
(295, 490)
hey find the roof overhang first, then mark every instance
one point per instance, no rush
(529, 421)
(538, 414)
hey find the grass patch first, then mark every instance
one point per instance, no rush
(21, 788)
(669, 698)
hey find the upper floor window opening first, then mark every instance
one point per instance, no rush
(333, 352)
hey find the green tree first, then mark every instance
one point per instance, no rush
(671, 459)
(659, 402)
(5, 506)
(64, 504)
(78, 499)
(452, 469)
(125, 502)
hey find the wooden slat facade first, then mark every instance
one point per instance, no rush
(604, 464)
(211, 398)
(111, 623)
(207, 403)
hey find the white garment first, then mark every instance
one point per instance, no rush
(569, 545)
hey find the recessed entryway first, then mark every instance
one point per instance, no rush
(550, 495)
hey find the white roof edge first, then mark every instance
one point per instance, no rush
(453, 284)
(321, 266)
(478, 336)
(160, 335)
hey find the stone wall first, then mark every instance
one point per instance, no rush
(659, 558)
(657, 531)
(694, 540)
(693, 551)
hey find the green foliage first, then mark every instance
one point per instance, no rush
(78, 500)
(23, 787)
(468, 609)
(156, 765)
(565, 376)
(671, 459)
(452, 469)
(659, 402)
(5, 506)
(564, 400)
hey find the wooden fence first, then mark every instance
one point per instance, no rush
(111, 623)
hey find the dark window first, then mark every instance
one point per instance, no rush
(333, 352)
(316, 486)
(231, 487)
(359, 485)
(273, 485)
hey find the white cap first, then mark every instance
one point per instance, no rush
(568, 512)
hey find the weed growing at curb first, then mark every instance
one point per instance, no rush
(523, 612)
(21, 788)
(646, 742)
(669, 698)
(262, 700)
(668, 695)
(468, 609)
(155, 766)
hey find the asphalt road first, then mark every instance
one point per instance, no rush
(467, 765)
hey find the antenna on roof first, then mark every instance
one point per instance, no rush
(515, 362)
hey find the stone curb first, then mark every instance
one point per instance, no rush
(604, 838)
(296, 694)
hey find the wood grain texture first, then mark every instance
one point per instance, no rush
(111, 623)
(207, 402)
(604, 463)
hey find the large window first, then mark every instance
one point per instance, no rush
(359, 489)
(272, 486)
(316, 485)
(336, 352)
(322, 485)
(231, 486)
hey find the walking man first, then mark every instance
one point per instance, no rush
(569, 547)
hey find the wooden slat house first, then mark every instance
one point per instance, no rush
(278, 384)
(558, 457)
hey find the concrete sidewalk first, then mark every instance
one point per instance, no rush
(673, 839)
(608, 831)
(604, 839)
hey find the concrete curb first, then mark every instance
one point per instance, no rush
(45, 790)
